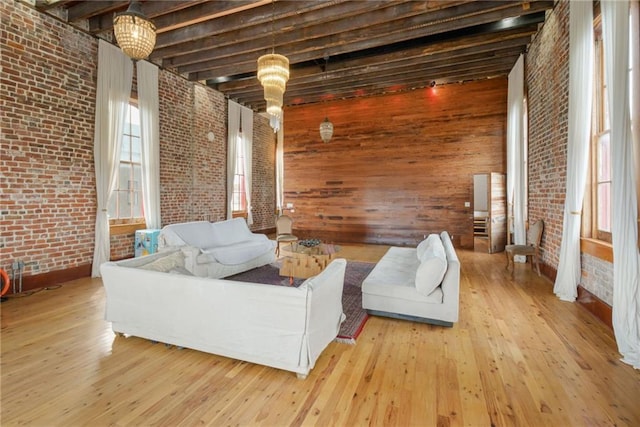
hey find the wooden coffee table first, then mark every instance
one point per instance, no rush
(304, 262)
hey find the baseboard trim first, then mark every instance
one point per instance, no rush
(595, 306)
(51, 278)
(586, 299)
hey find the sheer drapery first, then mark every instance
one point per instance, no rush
(280, 170)
(150, 135)
(247, 140)
(624, 230)
(233, 129)
(578, 144)
(115, 71)
(516, 154)
(635, 79)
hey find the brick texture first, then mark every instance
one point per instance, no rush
(547, 71)
(47, 214)
(48, 208)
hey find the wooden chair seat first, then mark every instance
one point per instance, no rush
(284, 230)
(531, 249)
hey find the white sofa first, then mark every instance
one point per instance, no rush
(420, 284)
(218, 249)
(278, 326)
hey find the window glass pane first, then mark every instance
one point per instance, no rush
(135, 130)
(604, 207)
(124, 176)
(112, 209)
(137, 205)
(136, 150)
(605, 104)
(604, 161)
(124, 208)
(125, 151)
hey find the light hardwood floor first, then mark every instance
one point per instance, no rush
(517, 357)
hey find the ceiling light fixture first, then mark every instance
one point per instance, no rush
(273, 74)
(326, 127)
(135, 34)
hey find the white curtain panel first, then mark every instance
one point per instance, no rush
(247, 139)
(150, 132)
(624, 230)
(280, 170)
(580, 101)
(233, 128)
(515, 153)
(115, 71)
(635, 79)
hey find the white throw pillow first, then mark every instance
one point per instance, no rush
(166, 263)
(430, 272)
(426, 244)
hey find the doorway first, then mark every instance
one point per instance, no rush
(489, 212)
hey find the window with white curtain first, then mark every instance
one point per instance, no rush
(126, 202)
(598, 200)
(239, 199)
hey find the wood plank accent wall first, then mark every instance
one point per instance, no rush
(398, 166)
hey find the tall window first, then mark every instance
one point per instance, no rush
(239, 199)
(125, 203)
(600, 214)
(600, 152)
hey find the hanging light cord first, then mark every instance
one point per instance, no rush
(273, 32)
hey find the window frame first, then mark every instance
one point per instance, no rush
(594, 243)
(127, 225)
(599, 128)
(239, 206)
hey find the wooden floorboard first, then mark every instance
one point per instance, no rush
(517, 357)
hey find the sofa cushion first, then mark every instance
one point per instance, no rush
(230, 232)
(167, 263)
(237, 253)
(198, 234)
(431, 271)
(395, 276)
(433, 240)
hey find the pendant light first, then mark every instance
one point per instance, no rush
(326, 127)
(135, 34)
(273, 74)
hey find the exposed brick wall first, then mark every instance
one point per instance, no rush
(47, 215)
(547, 71)
(547, 74)
(210, 158)
(597, 277)
(263, 197)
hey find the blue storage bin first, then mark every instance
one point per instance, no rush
(146, 242)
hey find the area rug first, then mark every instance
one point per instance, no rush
(355, 273)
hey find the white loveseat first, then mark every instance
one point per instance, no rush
(278, 326)
(420, 284)
(218, 249)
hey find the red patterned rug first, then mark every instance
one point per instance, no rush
(355, 273)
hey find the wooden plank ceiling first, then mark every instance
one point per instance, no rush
(337, 49)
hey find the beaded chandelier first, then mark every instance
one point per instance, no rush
(273, 74)
(135, 34)
(326, 130)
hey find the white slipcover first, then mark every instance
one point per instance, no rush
(218, 249)
(279, 326)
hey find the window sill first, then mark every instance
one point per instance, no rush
(131, 228)
(597, 248)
